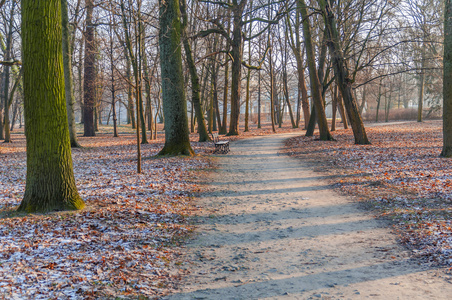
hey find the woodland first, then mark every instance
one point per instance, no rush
(107, 110)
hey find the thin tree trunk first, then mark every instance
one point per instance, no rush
(342, 78)
(195, 85)
(9, 42)
(334, 109)
(89, 85)
(316, 91)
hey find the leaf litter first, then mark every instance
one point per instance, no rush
(400, 175)
(120, 245)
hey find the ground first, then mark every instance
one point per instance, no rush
(304, 219)
(272, 228)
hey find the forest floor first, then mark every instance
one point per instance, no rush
(327, 220)
(307, 219)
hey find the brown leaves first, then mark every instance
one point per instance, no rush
(401, 174)
(126, 230)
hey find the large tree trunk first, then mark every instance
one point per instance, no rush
(316, 89)
(177, 139)
(50, 181)
(341, 72)
(447, 82)
(68, 82)
(89, 84)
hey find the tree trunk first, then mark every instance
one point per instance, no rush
(272, 87)
(341, 72)
(420, 102)
(342, 112)
(195, 85)
(334, 109)
(447, 82)
(50, 181)
(89, 84)
(259, 102)
(68, 82)
(316, 90)
(223, 129)
(286, 96)
(237, 48)
(177, 139)
(7, 56)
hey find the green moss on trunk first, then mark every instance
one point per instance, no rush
(50, 181)
(177, 133)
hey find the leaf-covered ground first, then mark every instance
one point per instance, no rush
(121, 245)
(401, 175)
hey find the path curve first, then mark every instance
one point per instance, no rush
(281, 232)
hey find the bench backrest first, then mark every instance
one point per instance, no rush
(215, 137)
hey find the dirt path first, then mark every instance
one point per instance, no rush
(281, 232)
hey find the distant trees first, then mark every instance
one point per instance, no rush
(50, 181)
(360, 51)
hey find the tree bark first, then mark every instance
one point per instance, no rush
(68, 82)
(6, 73)
(50, 183)
(177, 139)
(195, 85)
(89, 83)
(237, 40)
(342, 75)
(316, 89)
(447, 82)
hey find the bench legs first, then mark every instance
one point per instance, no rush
(221, 148)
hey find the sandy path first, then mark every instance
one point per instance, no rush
(281, 232)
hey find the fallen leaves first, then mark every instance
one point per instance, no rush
(400, 174)
(120, 245)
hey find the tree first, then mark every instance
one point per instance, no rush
(316, 90)
(342, 75)
(177, 139)
(50, 181)
(67, 62)
(195, 85)
(447, 87)
(89, 83)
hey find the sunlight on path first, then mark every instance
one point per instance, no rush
(281, 232)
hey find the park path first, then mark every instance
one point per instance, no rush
(279, 231)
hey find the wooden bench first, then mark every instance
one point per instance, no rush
(220, 146)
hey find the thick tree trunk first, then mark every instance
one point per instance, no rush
(89, 84)
(177, 139)
(50, 181)
(341, 72)
(68, 82)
